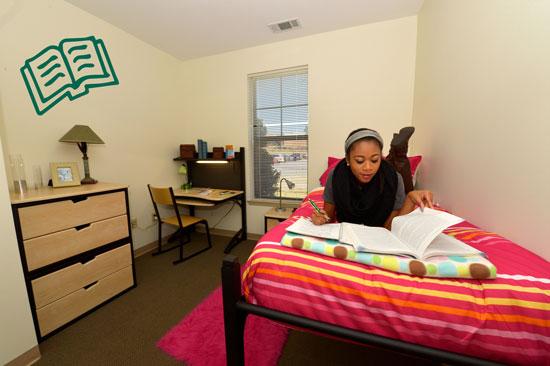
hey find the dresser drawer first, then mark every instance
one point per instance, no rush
(62, 311)
(51, 217)
(55, 285)
(51, 248)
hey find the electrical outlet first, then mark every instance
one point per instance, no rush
(154, 218)
(133, 223)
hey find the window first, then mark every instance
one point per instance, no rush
(279, 111)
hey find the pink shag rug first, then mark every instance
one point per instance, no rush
(199, 338)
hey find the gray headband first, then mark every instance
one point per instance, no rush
(361, 134)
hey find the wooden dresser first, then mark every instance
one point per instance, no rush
(76, 250)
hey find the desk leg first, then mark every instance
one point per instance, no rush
(241, 234)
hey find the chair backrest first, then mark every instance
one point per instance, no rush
(163, 196)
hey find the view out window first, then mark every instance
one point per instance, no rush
(280, 132)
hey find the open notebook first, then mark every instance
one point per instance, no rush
(417, 234)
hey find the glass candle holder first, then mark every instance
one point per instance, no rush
(37, 177)
(18, 173)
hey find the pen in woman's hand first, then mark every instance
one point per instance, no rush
(318, 210)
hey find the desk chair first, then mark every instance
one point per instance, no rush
(184, 223)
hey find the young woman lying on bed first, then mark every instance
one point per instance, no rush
(365, 189)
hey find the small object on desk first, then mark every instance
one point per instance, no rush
(199, 148)
(204, 150)
(37, 177)
(18, 173)
(218, 153)
(229, 152)
(64, 174)
(187, 151)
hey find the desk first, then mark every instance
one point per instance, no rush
(208, 197)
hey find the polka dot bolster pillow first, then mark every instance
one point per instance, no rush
(475, 266)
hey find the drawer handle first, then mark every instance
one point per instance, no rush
(90, 285)
(79, 199)
(83, 226)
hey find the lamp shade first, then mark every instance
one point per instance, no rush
(81, 133)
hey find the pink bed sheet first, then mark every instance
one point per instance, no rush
(506, 319)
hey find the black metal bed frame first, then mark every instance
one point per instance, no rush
(236, 309)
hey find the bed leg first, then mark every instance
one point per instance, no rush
(234, 318)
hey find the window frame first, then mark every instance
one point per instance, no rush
(252, 78)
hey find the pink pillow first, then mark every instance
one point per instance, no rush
(415, 162)
(332, 161)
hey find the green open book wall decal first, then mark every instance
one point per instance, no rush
(70, 70)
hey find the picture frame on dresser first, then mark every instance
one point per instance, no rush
(65, 174)
(76, 251)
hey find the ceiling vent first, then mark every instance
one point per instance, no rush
(284, 25)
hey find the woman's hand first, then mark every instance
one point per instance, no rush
(421, 198)
(319, 218)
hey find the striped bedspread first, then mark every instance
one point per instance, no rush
(506, 319)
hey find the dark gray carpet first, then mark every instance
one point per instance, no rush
(124, 331)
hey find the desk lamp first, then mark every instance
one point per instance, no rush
(83, 135)
(290, 185)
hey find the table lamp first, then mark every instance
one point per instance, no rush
(290, 185)
(83, 135)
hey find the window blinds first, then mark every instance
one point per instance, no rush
(279, 103)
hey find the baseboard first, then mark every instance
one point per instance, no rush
(28, 358)
(147, 248)
(227, 233)
(254, 237)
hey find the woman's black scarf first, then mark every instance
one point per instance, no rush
(369, 204)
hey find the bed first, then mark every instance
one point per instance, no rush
(458, 321)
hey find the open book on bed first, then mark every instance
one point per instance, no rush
(417, 234)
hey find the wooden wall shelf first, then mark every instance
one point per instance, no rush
(237, 157)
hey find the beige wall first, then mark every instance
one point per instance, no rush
(16, 327)
(481, 111)
(139, 119)
(361, 76)
(358, 77)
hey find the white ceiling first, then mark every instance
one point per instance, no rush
(195, 28)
